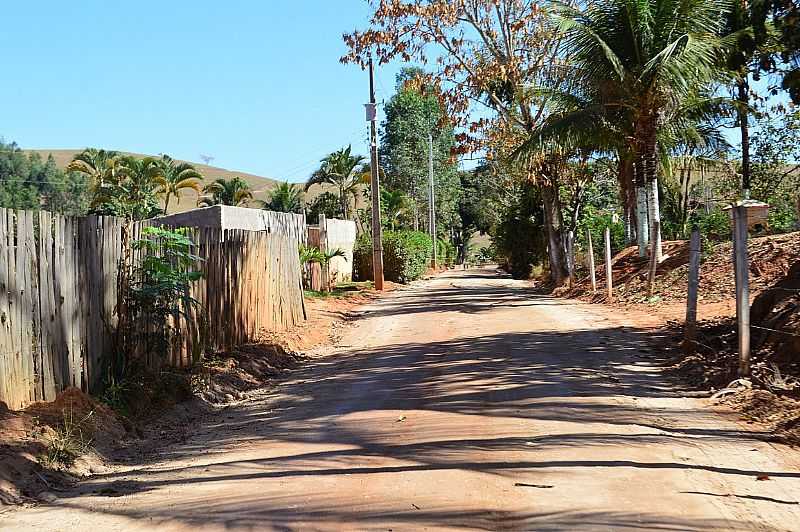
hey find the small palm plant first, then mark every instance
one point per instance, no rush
(314, 255)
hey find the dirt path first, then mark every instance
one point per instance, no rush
(462, 403)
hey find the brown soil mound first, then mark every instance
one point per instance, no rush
(770, 259)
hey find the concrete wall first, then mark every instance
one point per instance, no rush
(227, 217)
(341, 234)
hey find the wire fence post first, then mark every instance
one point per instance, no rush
(609, 281)
(741, 268)
(591, 262)
(690, 326)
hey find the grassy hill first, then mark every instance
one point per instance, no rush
(258, 184)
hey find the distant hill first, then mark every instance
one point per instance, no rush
(259, 184)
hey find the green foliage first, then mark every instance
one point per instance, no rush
(176, 177)
(314, 255)
(232, 192)
(69, 440)
(714, 226)
(160, 294)
(782, 217)
(285, 197)
(406, 256)
(132, 191)
(412, 114)
(596, 221)
(326, 204)
(346, 172)
(519, 236)
(29, 182)
(446, 252)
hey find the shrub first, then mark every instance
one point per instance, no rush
(596, 222)
(406, 255)
(715, 226)
(446, 252)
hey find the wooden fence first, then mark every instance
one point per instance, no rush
(59, 280)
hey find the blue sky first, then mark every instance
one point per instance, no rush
(255, 84)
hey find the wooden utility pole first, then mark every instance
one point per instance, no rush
(741, 268)
(377, 236)
(609, 272)
(432, 202)
(690, 326)
(591, 261)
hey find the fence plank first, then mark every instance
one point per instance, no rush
(5, 328)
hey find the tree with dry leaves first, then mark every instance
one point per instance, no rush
(489, 54)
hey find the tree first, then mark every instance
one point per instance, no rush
(234, 192)
(414, 113)
(488, 53)
(131, 191)
(29, 182)
(632, 64)
(175, 177)
(99, 165)
(346, 172)
(285, 197)
(478, 207)
(326, 204)
(396, 205)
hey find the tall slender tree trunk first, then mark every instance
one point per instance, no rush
(553, 223)
(743, 97)
(651, 181)
(166, 203)
(642, 222)
(627, 189)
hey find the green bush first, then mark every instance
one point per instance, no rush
(406, 255)
(782, 216)
(446, 252)
(714, 226)
(596, 222)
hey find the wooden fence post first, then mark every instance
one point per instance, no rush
(609, 272)
(591, 262)
(690, 326)
(741, 268)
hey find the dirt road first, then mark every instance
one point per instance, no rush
(465, 402)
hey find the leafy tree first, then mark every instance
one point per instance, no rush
(412, 114)
(285, 197)
(326, 204)
(99, 165)
(29, 182)
(488, 53)
(396, 206)
(346, 172)
(478, 207)
(175, 177)
(234, 192)
(131, 190)
(633, 63)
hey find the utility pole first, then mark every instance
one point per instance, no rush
(377, 237)
(431, 201)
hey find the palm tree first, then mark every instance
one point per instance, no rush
(344, 171)
(234, 192)
(396, 204)
(285, 197)
(176, 177)
(100, 166)
(129, 188)
(633, 62)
